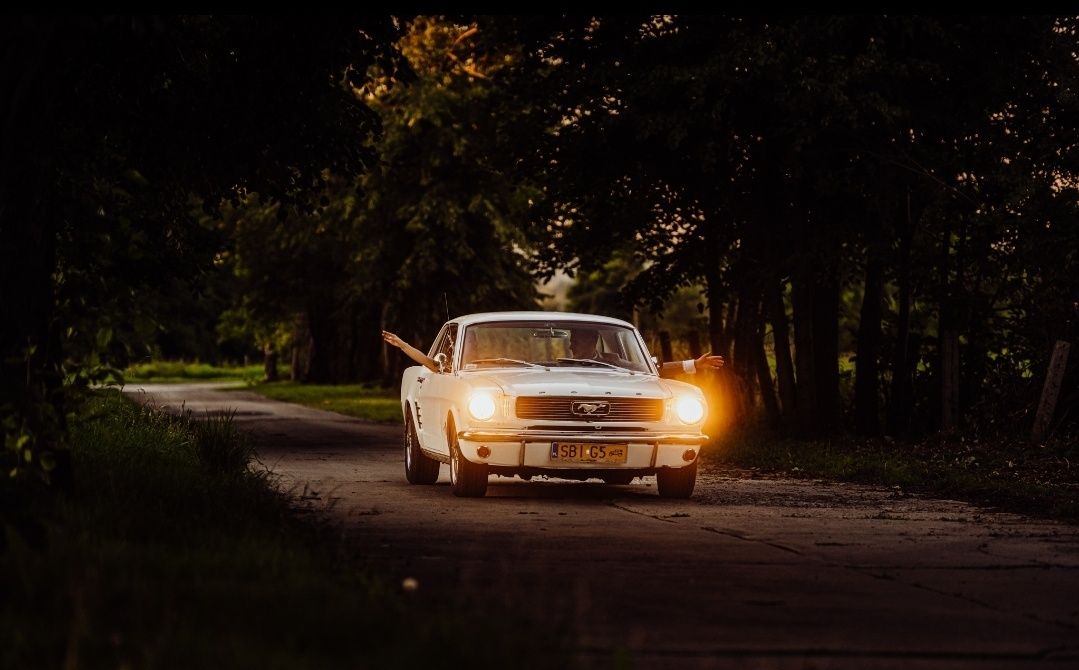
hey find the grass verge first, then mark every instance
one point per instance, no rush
(363, 402)
(170, 552)
(163, 372)
(1011, 474)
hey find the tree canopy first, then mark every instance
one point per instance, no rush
(875, 213)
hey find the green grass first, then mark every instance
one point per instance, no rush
(170, 552)
(1007, 473)
(372, 404)
(182, 371)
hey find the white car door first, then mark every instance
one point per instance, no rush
(434, 395)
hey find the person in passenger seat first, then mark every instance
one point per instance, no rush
(584, 344)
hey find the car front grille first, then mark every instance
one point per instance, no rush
(560, 408)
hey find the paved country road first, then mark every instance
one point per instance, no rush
(752, 572)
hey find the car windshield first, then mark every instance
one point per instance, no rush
(526, 344)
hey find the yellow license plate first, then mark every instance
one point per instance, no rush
(577, 452)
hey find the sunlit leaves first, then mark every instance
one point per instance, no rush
(444, 215)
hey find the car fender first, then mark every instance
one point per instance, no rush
(453, 417)
(409, 389)
(455, 413)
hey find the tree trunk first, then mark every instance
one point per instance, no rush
(802, 299)
(949, 380)
(867, 373)
(730, 323)
(694, 340)
(744, 359)
(299, 338)
(368, 345)
(777, 315)
(764, 379)
(665, 346)
(319, 361)
(826, 350)
(901, 404)
(747, 332)
(387, 359)
(714, 296)
(269, 362)
(947, 335)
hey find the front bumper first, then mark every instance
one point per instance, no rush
(531, 448)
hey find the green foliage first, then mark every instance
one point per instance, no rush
(162, 558)
(363, 402)
(291, 259)
(106, 180)
(172, 371)
(442, 213)
(741, 152)
(437, 225)
(219, 447)
(240, 324)
(606, 291)
(414, 167)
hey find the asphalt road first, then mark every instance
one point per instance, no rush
(752, 572)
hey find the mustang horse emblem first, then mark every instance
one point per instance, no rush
(591, 408)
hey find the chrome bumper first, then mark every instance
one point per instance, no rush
(580, 436)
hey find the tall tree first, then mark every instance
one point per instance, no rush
(829, 150)
(111, 125)
(444, 224)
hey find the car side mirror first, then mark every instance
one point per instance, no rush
(441, 359)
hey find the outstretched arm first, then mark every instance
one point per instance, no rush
(410, 351)
(691, 366)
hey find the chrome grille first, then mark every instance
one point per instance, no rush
(560, 408)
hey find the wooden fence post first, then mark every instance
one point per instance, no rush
(1054, 376)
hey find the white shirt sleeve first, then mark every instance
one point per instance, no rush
(689, 367)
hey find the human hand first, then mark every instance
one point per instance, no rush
(709, 361)
(390, 338)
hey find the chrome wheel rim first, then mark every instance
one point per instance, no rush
(408, 446)
(454, 463)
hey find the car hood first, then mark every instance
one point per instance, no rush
(578, 381)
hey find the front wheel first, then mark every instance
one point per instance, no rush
(419, 468)
(676, 482)
(467, 479)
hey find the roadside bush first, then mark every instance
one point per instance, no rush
(220, 448)
(171, 551)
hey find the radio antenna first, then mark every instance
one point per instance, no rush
(446, 302)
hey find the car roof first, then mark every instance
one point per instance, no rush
(483, 317)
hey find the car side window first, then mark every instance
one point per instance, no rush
(445, 344)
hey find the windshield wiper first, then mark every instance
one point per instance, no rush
(590, 361)
(480, 361)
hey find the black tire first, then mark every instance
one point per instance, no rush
(419, 468)
(619, 478)
(467, 479)
(676, 482)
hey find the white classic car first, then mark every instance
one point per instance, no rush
(573, 396)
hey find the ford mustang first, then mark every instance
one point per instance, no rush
(553, 394)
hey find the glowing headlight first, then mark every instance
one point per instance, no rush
(689, 409)
(481, 406)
